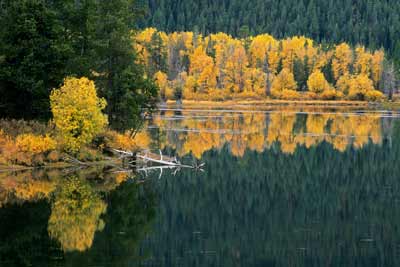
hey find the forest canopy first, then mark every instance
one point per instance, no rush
(218, 66)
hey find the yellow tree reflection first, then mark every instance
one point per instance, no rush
(75, 215)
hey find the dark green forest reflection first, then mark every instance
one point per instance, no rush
(315, 207)
(292, 194)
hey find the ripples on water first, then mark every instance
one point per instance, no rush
(281, 187)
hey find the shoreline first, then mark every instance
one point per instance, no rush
(285, 103)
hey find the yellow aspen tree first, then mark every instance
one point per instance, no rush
(161, 80)
(255, 81)
(77, 112)
(284, 81)
(235, 68)
(259, 47)
(342, 59)
(361, 88)
(363, 62)
(190, 88)
(207, 79)
(317, 83)
(377, 66)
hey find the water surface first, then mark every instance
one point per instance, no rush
(280, 187)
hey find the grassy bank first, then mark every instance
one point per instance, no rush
(32, 144)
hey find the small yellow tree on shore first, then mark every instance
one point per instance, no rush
(77, 112)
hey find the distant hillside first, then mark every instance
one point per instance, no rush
(373, 23)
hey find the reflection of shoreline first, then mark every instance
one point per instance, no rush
(75, 218)
(198, 130)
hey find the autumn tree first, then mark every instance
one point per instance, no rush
(317, 83)
(342, 60)
(283, 82)
(162, 82)
(235, 68)
(77, 112)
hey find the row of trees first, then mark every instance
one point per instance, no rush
(374, 23)
(42, 42)
(217, 66)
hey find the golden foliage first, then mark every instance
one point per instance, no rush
(359, 85)
(343, 57)
(283, 81)
(75, 215)
(77, 112)
(246, 68)
(35, 144)
(317, 83)
(161, 80)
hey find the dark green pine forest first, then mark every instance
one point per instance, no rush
(373, 23)
(44, 41)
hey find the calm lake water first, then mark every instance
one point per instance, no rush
(280, 187)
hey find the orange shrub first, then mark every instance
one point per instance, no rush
(35, 144)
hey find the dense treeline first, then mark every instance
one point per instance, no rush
(217, 66)
(374, 23)
(42, 42)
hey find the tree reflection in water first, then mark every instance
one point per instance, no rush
(76, 225)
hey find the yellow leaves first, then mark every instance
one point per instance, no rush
(77, 112)
(292, 48)
(342, 59)
(377, 66)
(75, 215)
(161, 80)
(199, 60)
(207, 79)
(222, 65)
(363, 61)
(284, 81)
(235, 68)
(317, 83)
(374, 95)
(358, 87)
(35, 144)
(203, 70)
(259, 48)
(255, 81)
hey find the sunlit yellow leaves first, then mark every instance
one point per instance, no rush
(220, 67)
(363, 61)
(35, 144)
(161, 80)
(235, 68)
(259, 49)
(317, 82)
(377, 66)
(284, 81)
(343, 57)
(255, 81)
(77, 112)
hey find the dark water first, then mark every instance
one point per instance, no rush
(279, 188)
